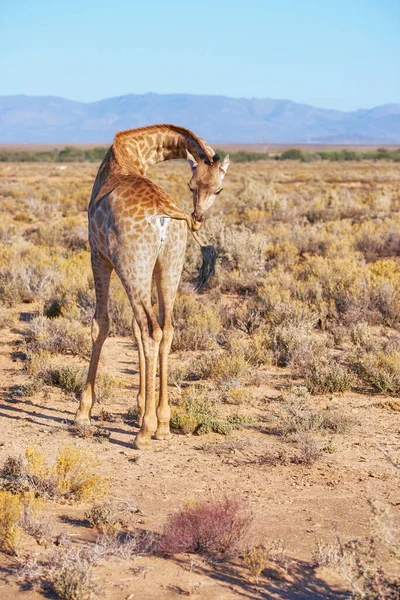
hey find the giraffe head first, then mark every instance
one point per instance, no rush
(205, 185)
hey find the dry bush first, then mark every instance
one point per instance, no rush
(177, 374)
(357, 563)
(217, 527)
(197, 325)
(308, 451)
(66, 572)
(362, 562)
(99, 434)
(58, 336)
(10, 513)
(295, 346)
(19, 514)
(72, 476)
(8, 317)
(227, 369)
(299, 416)
(114, 544)
(256, 348)
(111, 514)
(197, 412)
(380, 370)
(27, 273)
(107, 388)
(363, 337)
(328, 377)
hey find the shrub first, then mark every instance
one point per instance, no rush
(295, 346)
(256, 560)
(308, 451)
(10, 513)
(323, 377)
(111, 515)
(70, 378)
(197, 412)
(70, 574)
(292, 154)
(107, 387)
(58, 336)
(226, 369)
(75, 477)
(72, 476)
(300, 417)
(217, 527)
(19, 514)
(255, 348)
(197, 325)
(380, 370)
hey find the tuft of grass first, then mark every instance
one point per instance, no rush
(256, 560)
(217, 527)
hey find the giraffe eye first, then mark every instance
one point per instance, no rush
(219, 191)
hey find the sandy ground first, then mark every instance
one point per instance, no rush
(297, 504)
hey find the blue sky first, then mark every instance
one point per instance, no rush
(340, 54)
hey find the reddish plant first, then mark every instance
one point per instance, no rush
(215, 527)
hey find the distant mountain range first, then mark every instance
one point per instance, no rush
(219, 119)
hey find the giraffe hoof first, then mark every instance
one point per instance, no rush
(140, 442)
(163, 434)
(82, 420)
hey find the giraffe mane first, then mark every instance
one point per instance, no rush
(196, 144)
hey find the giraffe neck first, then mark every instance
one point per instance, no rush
(135, 150)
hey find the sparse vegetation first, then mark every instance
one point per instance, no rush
(297, 333)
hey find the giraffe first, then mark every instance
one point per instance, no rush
(136, 229)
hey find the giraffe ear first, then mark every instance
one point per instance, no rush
(191, 160)
(224, 166)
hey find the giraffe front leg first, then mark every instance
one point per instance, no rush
(100, 327)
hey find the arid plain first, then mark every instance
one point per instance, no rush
(284, 385)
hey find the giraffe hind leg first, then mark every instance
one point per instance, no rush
(102, 270)
(141, 397)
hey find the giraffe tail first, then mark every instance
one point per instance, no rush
(207, 269)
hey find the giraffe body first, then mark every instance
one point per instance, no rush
(137, 230)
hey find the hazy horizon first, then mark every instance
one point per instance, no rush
(192, 94)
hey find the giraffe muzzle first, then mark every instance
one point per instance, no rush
(197, 220)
